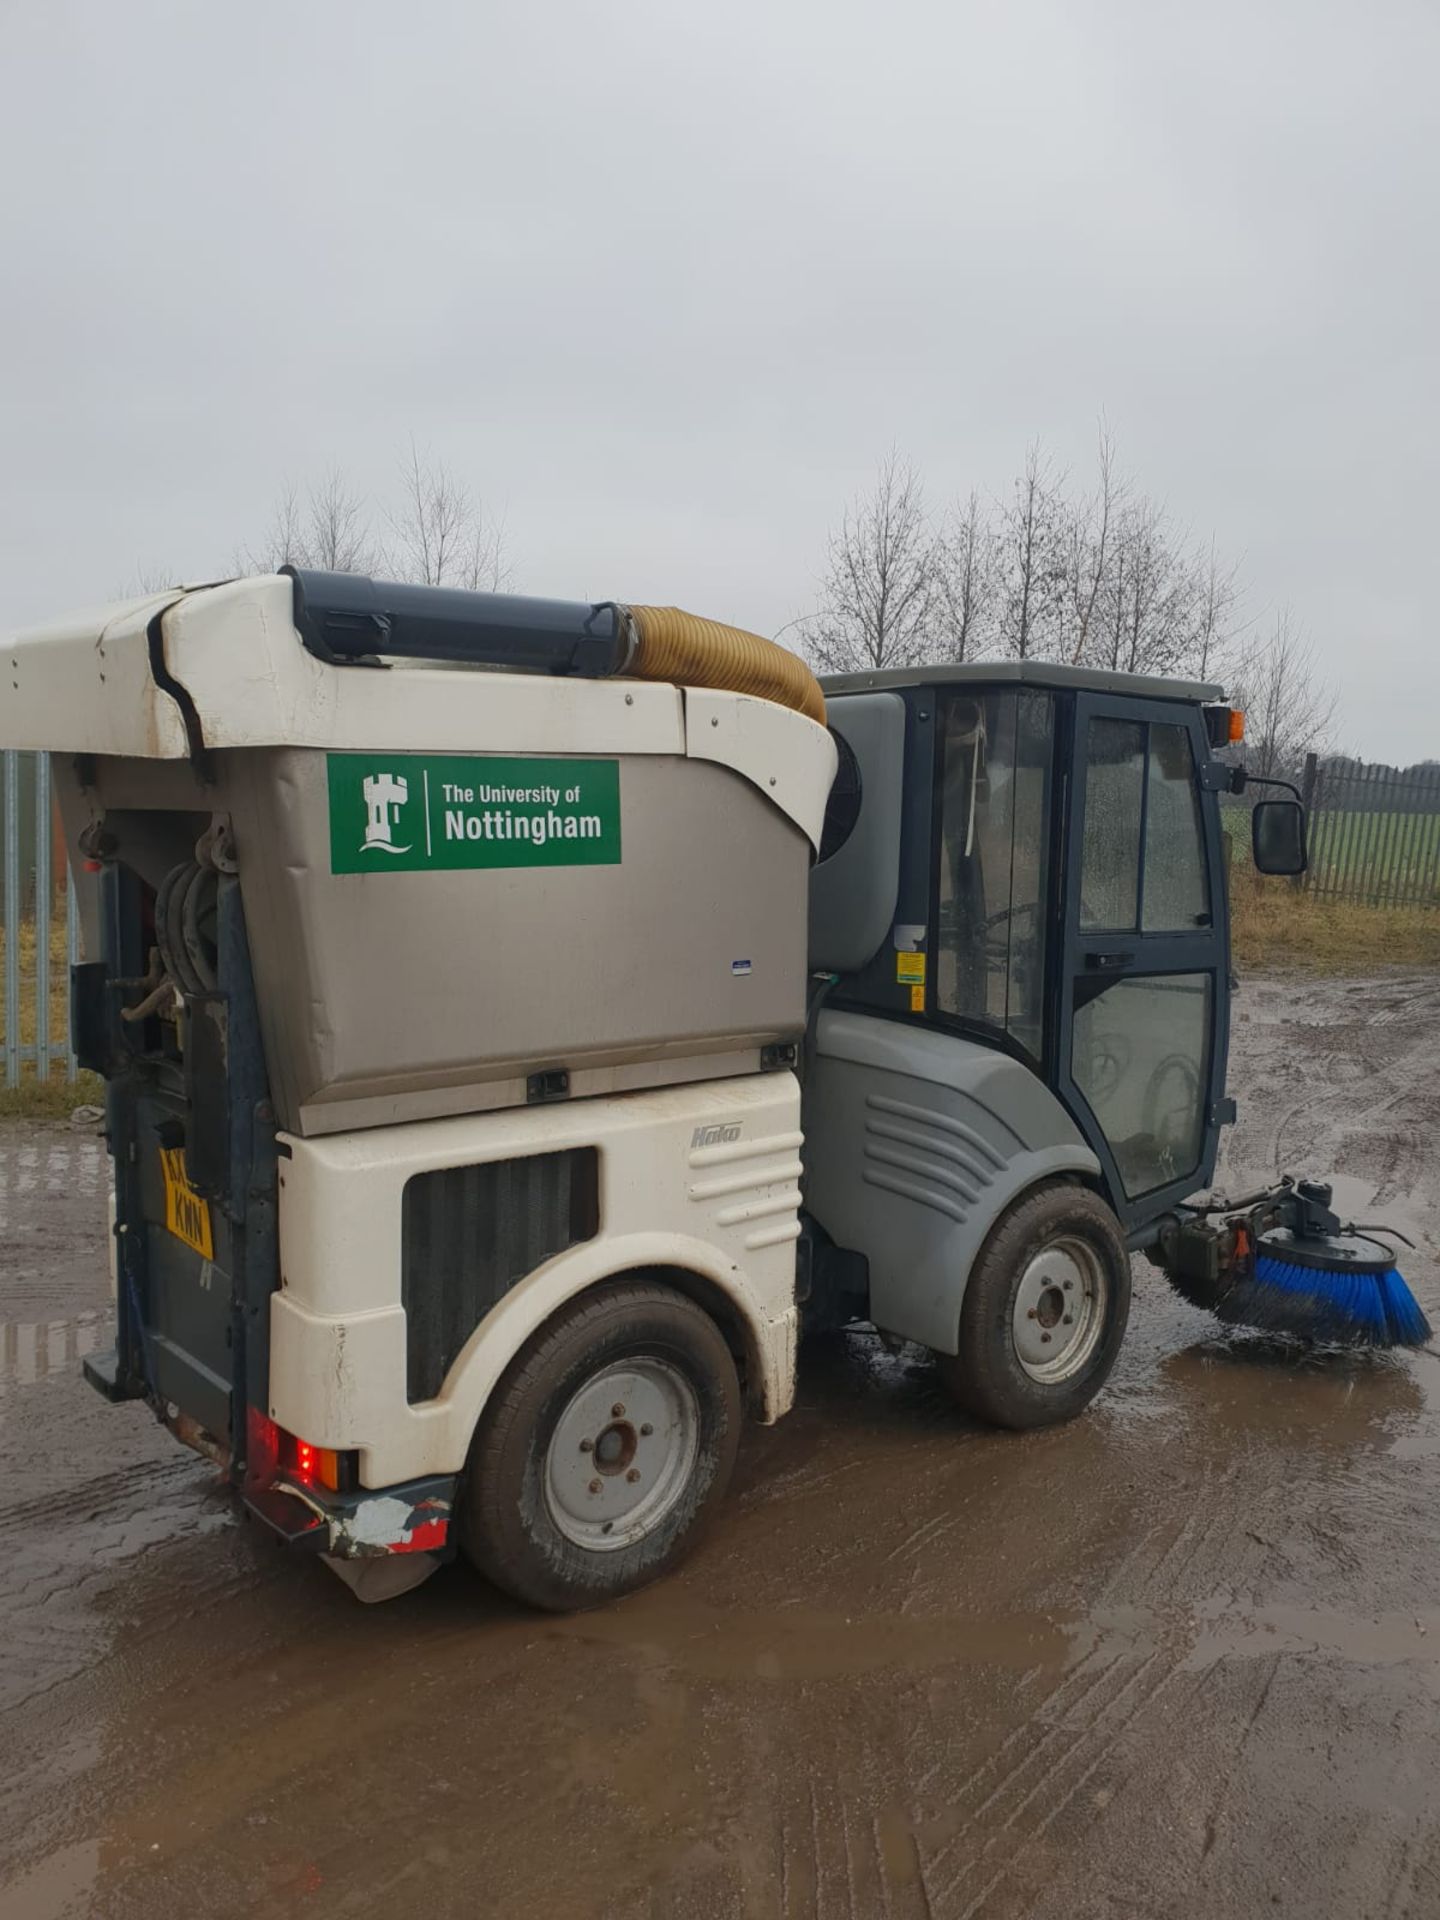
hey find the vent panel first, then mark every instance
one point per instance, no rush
(469, 1234)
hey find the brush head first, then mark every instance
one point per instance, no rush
(1338, 1289)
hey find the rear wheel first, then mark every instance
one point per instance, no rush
(1044, 1313)
(604, 1451)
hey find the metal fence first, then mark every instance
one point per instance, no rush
(1374, 833)
(33, 914)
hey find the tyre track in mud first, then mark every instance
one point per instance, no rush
(1181, 1658)
(1360, 1072)
(1242, 1526)
(86, 1490)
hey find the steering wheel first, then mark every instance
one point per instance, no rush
(1172, 1101)
(996, 948)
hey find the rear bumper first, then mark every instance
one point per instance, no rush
(365, 1524)
(102, 1372)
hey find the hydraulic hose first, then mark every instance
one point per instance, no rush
(681, 647)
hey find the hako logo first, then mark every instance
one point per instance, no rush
(385, 794)
(717, 1136)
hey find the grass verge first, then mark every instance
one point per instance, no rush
(1278, 927)
(52, 1099)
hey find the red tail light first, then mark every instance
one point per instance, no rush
(262, 1448)
(315, 1466)
(270, 1451)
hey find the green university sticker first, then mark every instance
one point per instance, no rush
(410, 813)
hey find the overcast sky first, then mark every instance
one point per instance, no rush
(665, 282)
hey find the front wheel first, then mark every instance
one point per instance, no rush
(1044, 1313)
(604, 1451)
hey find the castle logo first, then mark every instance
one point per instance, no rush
(385, 794)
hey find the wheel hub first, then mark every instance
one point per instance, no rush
(616, 1447)
(1059, 1310)
(622, 1454)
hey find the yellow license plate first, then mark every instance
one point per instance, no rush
(186, 1214)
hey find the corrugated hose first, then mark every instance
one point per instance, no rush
(671, 644)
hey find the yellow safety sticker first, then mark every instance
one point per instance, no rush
(910, 966)
(917, 999)
(186, 1214)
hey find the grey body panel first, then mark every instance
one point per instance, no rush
(915, 1143)
(406, 996)
(1024, 673)
(384, 986)
(853, 893)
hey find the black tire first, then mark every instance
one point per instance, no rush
(521, 1509)
(1056, 1231)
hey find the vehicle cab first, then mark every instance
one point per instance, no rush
(1021, 909)
(1057, 875)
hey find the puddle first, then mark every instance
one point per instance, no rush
(33, 1350)
(1421, 1438)
(1369, 1640)
(802, 1644)
(1328, 1401)
(57, 1889)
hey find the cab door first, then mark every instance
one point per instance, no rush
(1144, 988)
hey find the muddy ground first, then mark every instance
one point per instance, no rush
(1181, 1658)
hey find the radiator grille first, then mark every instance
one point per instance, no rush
(469, 1234)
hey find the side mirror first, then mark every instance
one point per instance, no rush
(1277, 836)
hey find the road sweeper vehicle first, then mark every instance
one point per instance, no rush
(522, 1019)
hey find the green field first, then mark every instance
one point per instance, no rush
(1384, 858)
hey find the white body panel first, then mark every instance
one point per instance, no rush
(84, 685)
(727, 1212)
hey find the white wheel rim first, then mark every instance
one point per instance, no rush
(622, 1455)
(1059, 1311)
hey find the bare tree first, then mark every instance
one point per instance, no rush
(1217, 604)
(486, 567)
(1031, 559)
(880, 591)
(1150, 596)
(337, 533)
(146, 579)
(442, 534)
(1108, 578)
(285, 543)
(1145, 635)
(1090, 547)
(1289, 707)
(965, 581)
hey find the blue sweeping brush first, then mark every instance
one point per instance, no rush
(1288, 1265)
(1336, 1289)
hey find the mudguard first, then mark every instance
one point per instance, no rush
(915, 1143)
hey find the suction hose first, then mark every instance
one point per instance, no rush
(342, 617)
(681, 647)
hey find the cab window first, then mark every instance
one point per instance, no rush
(1141, 800)
(994, 878)
(1141, 1043)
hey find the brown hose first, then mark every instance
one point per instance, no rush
(681, 647)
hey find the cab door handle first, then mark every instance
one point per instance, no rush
(1108, 962)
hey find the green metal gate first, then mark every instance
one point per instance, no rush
(1374, 832)
(39, 929)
